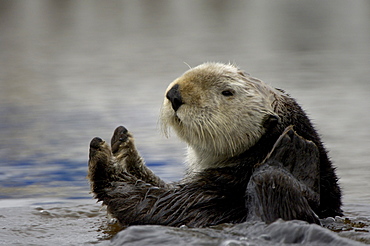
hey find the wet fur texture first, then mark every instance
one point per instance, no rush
(253, 154)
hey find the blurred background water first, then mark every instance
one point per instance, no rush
(73, 70)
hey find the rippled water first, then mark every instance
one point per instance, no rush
(73, 70)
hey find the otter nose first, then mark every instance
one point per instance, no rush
(175, 97)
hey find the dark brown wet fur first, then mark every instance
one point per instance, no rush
(285, 185)
(291, 113)
(286, 174)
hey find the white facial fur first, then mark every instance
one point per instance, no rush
(217, 126)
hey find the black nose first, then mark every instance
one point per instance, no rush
(175, 98)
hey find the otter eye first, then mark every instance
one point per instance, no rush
(227, 93)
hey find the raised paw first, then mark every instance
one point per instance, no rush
(273, 193)
(297, 155)
(121, 140)
(99, 163)
(120, 135)
(290, 148)
(96, 143)
(99, 149)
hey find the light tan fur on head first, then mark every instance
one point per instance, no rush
(222, 114)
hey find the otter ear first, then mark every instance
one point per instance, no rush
(271, 121)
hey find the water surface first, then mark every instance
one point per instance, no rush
(73, 70)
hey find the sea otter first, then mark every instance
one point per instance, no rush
(252, 154)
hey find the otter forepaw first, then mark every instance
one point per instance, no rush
(291, 148)
(99, 164)
(96, 143)
(99, 150)
(121, 142)
(120, 136)
(297, 155)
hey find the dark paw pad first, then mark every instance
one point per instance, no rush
(96, 143)
(120, 135)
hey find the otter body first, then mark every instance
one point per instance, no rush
(252, 154)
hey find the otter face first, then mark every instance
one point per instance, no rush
(218, 110)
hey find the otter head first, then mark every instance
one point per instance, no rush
(219, 111)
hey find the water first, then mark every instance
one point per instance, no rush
(73, 70)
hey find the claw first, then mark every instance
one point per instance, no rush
(120, 135)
